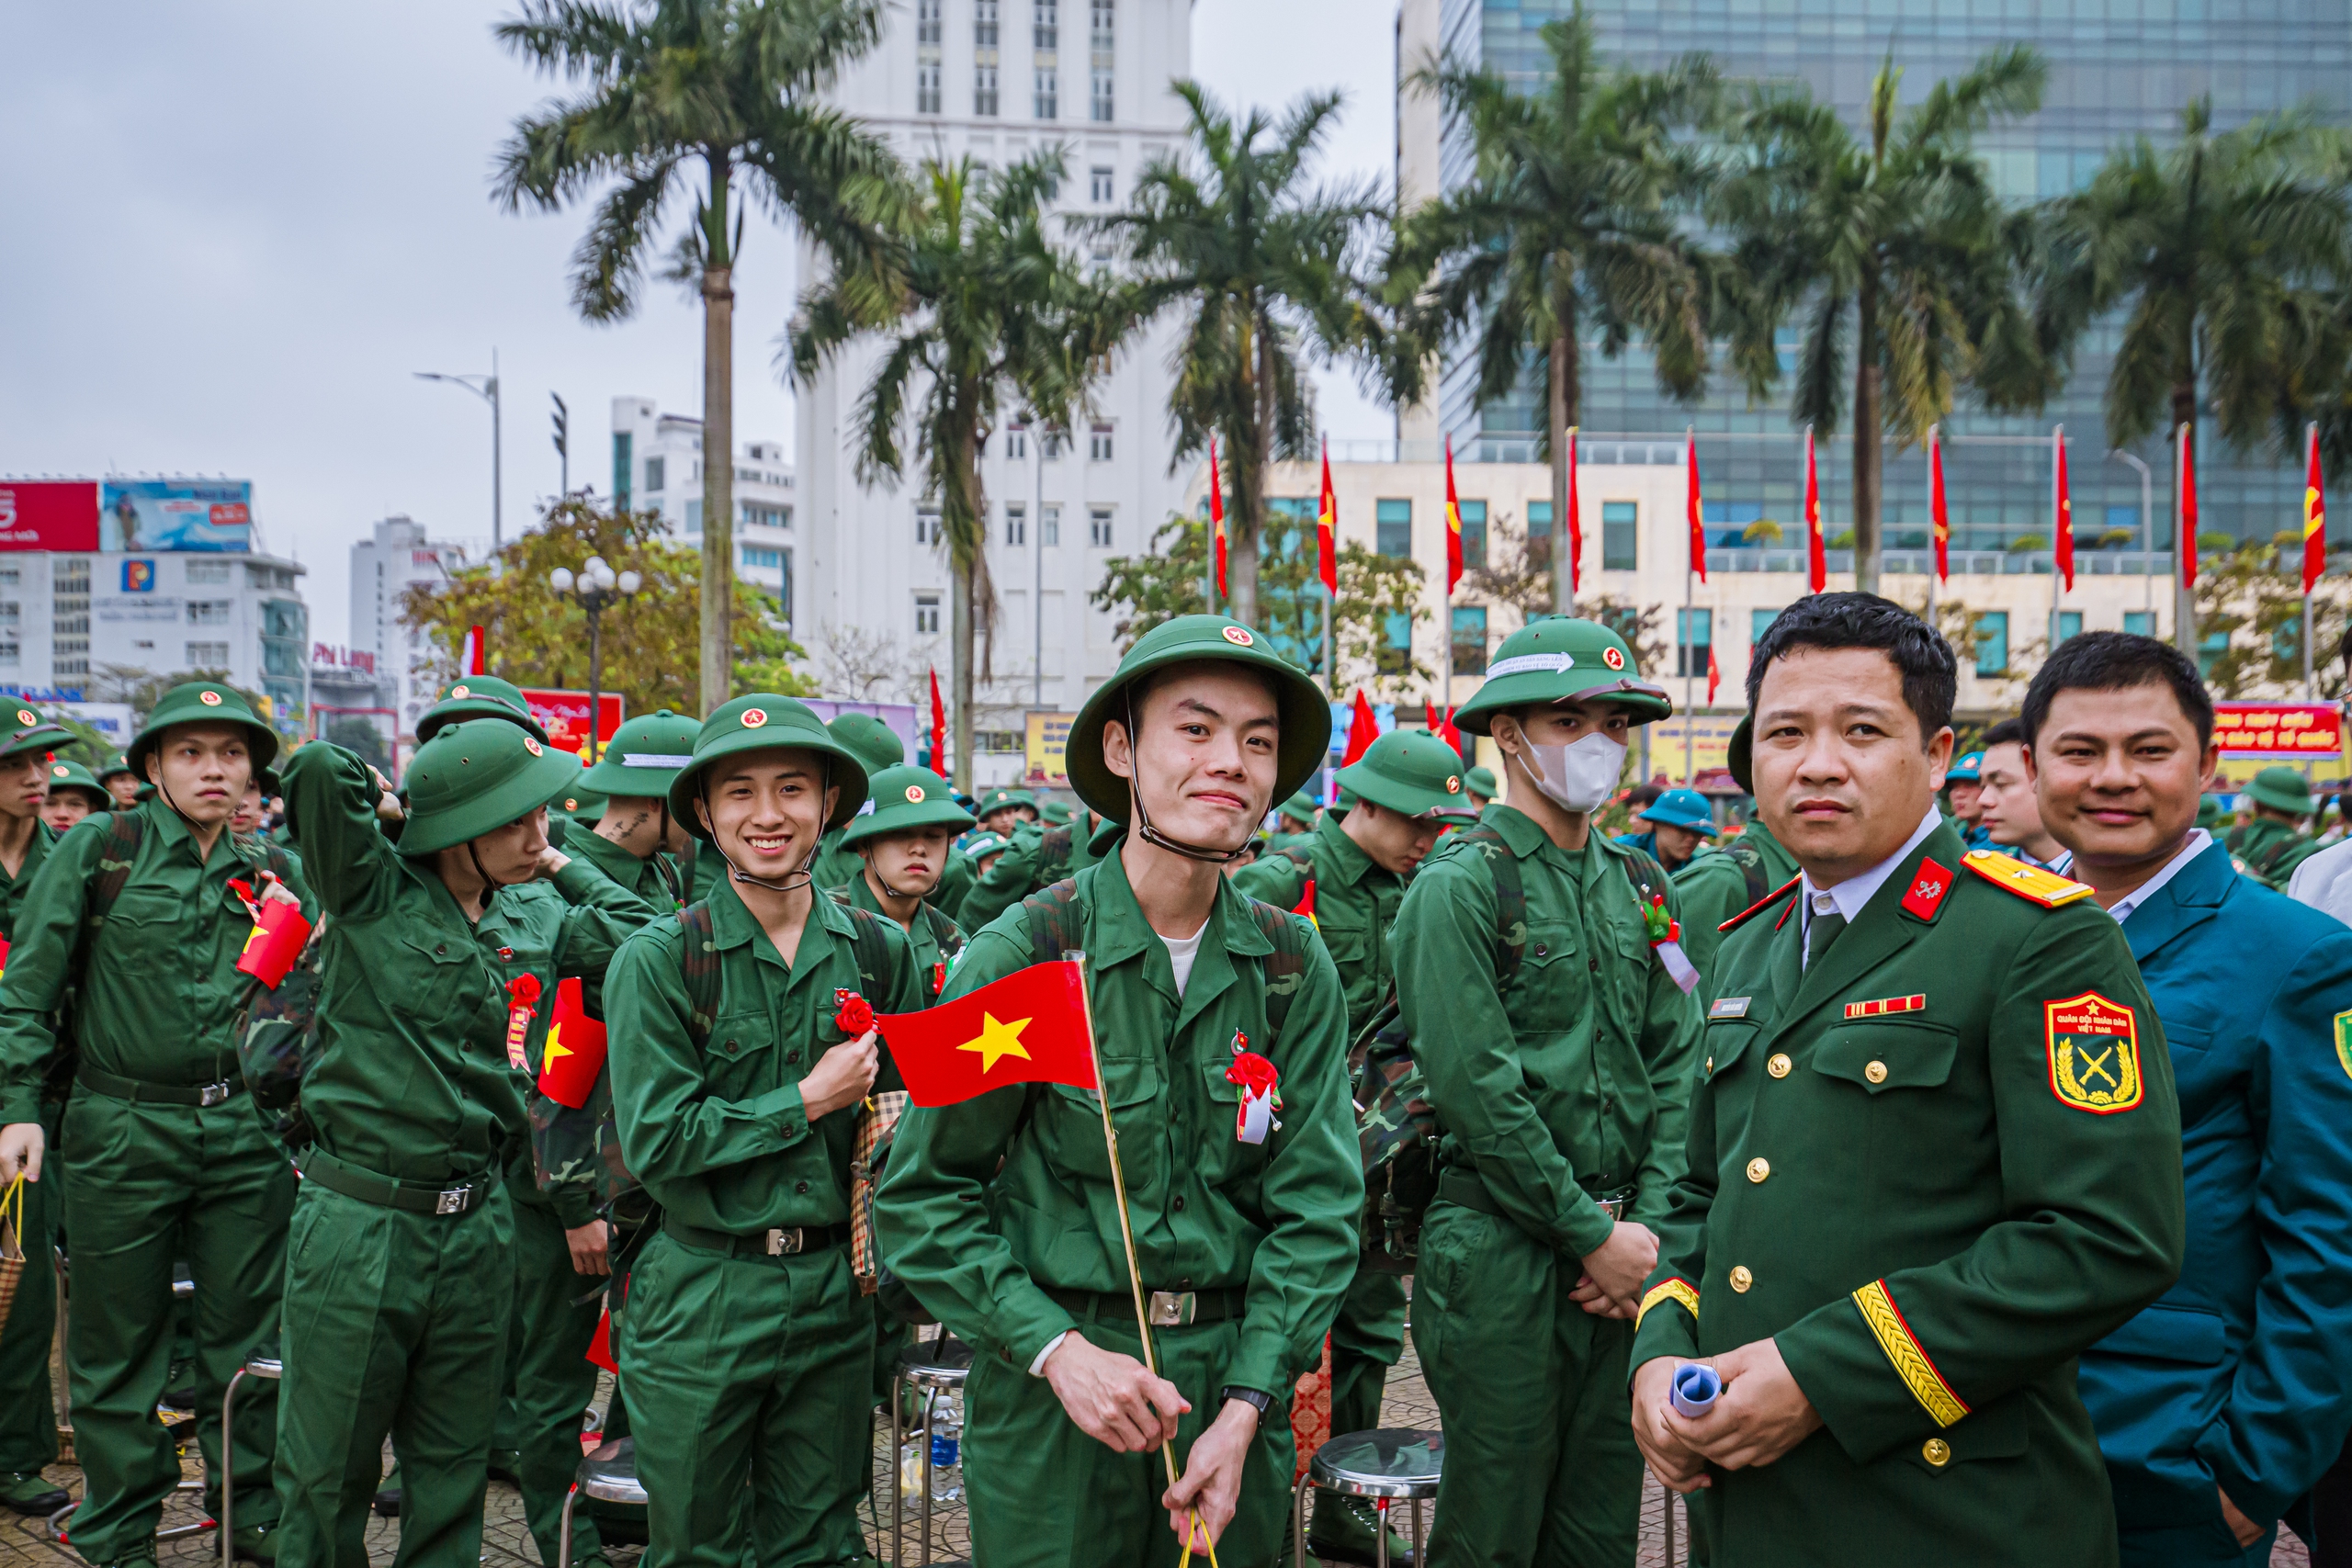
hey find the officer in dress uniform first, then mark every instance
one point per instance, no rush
(1934, 1153)
(999, 1213)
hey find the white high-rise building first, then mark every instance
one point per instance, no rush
(397, 554)
(657, 467)
(994, 79)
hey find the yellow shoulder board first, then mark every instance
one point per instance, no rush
(2046, 888)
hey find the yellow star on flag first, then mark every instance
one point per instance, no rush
(555, 1047)
(996, 1040)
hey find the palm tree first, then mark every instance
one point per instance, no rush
(1266, 269)
(1895, 251)
(734, 85)
(1567, 228)
(983, 311)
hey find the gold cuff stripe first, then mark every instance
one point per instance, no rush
(1668, 1291)
(1911, 1363)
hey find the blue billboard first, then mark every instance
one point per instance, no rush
(177, 514)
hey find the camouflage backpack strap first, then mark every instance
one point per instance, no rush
(698, 963)
(1051, 924)
(1303, 859)
(1286, 967)
(1511, 899)
(1054, 850)
(1645, 873)
(839, 895)
(1751, 867)
(123, 829)
(870, 947)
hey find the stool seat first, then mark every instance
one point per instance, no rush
(1393, 1461)
(939, 1365)
(608, 1474)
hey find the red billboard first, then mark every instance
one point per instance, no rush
(2293, 731)
(48, 514)
(564, 715)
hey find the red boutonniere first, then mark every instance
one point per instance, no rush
(521, 998)
(1261, 1095)
(851, 1014)
(938, 978)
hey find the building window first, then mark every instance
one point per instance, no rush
(13, 577)
(1993, 642)
(1098, 528)
(207, 655)
(926, 615)
(984, 89)
(1396, 654)
(1694, 636)
(1016, 441)
(1045, 100)
(926, 525)
(207, 571)
(1619, 525)
(1539, 523)
(1470, 639)
(2139, 623)
(1393, 527)
(2210, 647)
(1051, 443)
(1098, 185)
(1098, 444)
(1049, 526)
(12, 652)
(1102, 43)
(1758, 623)
(1474, 536)
(622, 444)
(984, 14)
(753, 555)
(12, 615)
(928, 28)
(1016, 524)
(656, 471)
(694, 515)
(927, 87)
(2070, 625)
(210, 612)
(1046, 25)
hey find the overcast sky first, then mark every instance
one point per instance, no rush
(229, 233)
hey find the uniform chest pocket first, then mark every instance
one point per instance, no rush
(441, 980)
(742, 1059)
(1551, 993)
(1070, 1121)
(1725, 1043)
(1224, 1156)
(1883, 1057)
(1347, 944)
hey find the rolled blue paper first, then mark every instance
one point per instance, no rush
(1695, 1387)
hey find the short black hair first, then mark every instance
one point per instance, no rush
(2114, 662)
(2008, 732)
(1930, 674)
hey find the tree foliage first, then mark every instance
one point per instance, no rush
(2253, 597)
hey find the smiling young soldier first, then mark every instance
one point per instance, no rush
(747, 1349)
(1934, 1153)
(165, 1157)
(1245, 1247)
(400, 1273)
(1405, 788)
(2220, 1407)
(1559, 1054)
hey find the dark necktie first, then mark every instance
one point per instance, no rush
(1823, 931)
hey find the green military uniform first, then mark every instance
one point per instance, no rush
(1300, 808)
(999, 1214)
(1037, 858)
(401, 1274)
(900, 799)
(1479, 783)
(642, 760)
(1560, 1086)
(2267, 849)
(1933, 1164)
(748, 1348)
(1714, 887)
(165, 1157)
(65, 775)
(1354, 905)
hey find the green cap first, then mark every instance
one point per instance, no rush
(201, 702)
(73, 775)
(1412, 771)
(760, 722)
(479, 696)
(118, 763)
(474, 777)
(2209, 811)
(1003, 799)
(1306, 712)
(645, 756)
(580, 803)
(1559, 658)
(1055, 812)
(987, 845)
(873, 742)
(1480, 782)
(906, 797)
(2281, 789)
(31, 730)
(1302, 806)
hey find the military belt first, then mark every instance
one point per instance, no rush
(1468, 1189)
(443, 1198)
(1167, 1309)
(781, 1241)
(115, 1087)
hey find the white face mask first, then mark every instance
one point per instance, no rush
(1580, 775)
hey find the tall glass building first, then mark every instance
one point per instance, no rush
(2117, 68)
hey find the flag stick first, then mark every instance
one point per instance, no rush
(1126, 1231)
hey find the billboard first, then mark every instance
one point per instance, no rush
(48, 514)
(564, 715)
(112, 720)
(1045, 746)
(176, 514)
(2291, 732)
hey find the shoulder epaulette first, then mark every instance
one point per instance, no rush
(2031, 882)
(1760, 905)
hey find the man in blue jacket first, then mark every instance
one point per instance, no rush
(2219, 1406)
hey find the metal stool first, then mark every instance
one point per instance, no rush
(936, 1367)
(608, 1474)
(259, 1364)
(1384, 1466)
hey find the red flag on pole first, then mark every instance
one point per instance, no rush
(1935, 508)
(1714, 674)
(1443, 727)
(1216, 519)
(2061, 511)
(1690, 506)
(1326, 531)
(2315, 516)
(1029, 1027)
(1574, 533)
(1816, 554)
(2187, 439)
(1362, 730)
(472, 652)
(938, 727)
(1452, 524)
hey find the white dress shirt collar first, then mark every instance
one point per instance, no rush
(2198, 842)
(1848, 897)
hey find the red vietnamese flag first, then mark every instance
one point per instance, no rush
(1029, 1027)
(1690, 508)
(1305, 905)
(2187, 439)
(1216, 518)
(1362, 730)
(1452, 524)
(1935, 508)
(278, 936)
(1816, 556)
(1445, 731)
(600, 1344)
(1714, 674)
(1575, 535)
(2062, 510)
(938, 727)
(575, 1049)
(2315, 516)
(471, 656)
(1326, 531)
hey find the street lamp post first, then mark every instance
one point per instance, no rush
(486, 388)
(2147, 533)
(595, 588)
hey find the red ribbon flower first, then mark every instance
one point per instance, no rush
(853, 1015)
(522, 992)
(1255, 1075)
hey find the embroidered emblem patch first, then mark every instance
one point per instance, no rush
(1915, 1002)
(1728, 1007)
(2344, 1039)
(2094, 1053)
(1928, 890)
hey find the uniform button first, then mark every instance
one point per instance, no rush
(1179, 1204)
(1741, 1278)
(1711, 1064)
(792, 1055)
(1936, 1451)
(1875, 1072)
(1759, 1169)
(1593, 964)
(1543, 950)
(800, 1187)
(441, 951)
(1779, 1066)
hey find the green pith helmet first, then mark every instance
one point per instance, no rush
(645, 756)
(1480, 782)
(479, 696)
(1557, 658)
(1302, 806)
(31, 730)
(118, 763)
(760, 722)
(1055, 813)
(987, 845)
(1306, 712)
(905, 798)
(201, 702)
(873, 742)
(1739, 755)
(1003, 799)
(271, 784)
(1412, 771)
(2281, 789)
(583, 805)
(474, 777)
(73, 775)
(2209, 811)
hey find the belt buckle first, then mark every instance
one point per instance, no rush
(212, 1093)
(453, 1200)
(1617, 1202)
(785, 1242)
(1172, 1309)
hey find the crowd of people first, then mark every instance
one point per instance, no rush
(1977, 1124)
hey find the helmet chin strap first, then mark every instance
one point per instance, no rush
(1153, 836)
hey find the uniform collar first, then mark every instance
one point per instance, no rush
(586, 843)
(1119, 932)
(173, 828)
(2188, 892)
(1522, 833)
(1853, 895)
(1350, 861)
(1883, 925)
(733, 925)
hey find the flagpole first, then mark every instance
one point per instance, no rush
(1685, 651)
(1934, 450)
(1127, 1230)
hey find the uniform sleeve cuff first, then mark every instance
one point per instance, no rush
(1037, 1365)
(19, 1107)
(576, 880)
(573, 1206)
(1587, 1227)
(785, 1113)
(1257, 1364)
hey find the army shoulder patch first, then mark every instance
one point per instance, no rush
(2031, 882)
(2343, 1027)
(2094, 1053)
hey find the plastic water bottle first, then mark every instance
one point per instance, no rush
(946, 1453)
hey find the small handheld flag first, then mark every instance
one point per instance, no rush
(575, 1049)
(1216, 519)
(277, 938)
(1029, 1027)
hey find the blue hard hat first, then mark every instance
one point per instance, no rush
(1681, 808)
(1966, 770)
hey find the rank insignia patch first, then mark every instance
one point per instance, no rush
(2344, 1039)
(2094, 1053)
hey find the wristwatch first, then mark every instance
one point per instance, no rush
(1264, 1403)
